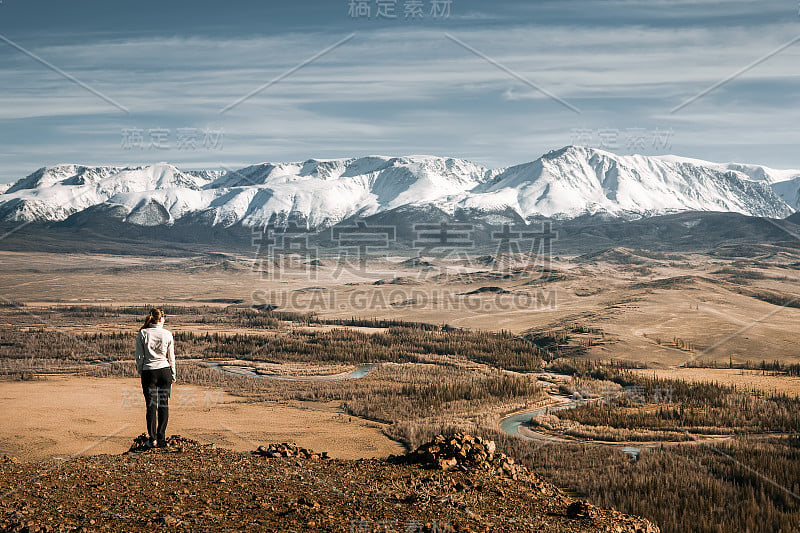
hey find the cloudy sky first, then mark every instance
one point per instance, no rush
(496, 82)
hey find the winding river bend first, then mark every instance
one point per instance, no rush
(517, 424)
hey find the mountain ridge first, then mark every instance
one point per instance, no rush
(563, 184)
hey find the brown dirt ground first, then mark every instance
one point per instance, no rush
(205, 489)
(62, 416)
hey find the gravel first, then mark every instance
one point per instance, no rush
(187, 486)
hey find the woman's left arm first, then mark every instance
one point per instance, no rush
(172, 358)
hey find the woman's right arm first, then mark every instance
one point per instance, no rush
(139, 352)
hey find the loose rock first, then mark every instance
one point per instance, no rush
(174, 443)
(463, 452)
(292, 450)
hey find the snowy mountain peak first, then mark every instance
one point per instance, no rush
(578, 180)
(64, 173)
(564, 183)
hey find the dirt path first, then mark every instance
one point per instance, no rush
(62, 416)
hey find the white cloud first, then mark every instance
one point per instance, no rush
(395, 90)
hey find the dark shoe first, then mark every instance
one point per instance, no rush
(161, 444)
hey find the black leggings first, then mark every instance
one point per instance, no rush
(157, 386)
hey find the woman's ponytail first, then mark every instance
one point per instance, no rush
(156, 314)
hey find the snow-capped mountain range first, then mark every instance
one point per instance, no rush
(562, 184)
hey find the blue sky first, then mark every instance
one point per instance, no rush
(513, 80)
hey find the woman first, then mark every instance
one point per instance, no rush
(155, 362)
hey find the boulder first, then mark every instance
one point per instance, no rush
(580, 509)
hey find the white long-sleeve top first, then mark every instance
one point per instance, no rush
(155, 349)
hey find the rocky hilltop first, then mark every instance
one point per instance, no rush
(454, 483)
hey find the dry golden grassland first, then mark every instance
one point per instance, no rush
(744, 379)
(662, 310)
